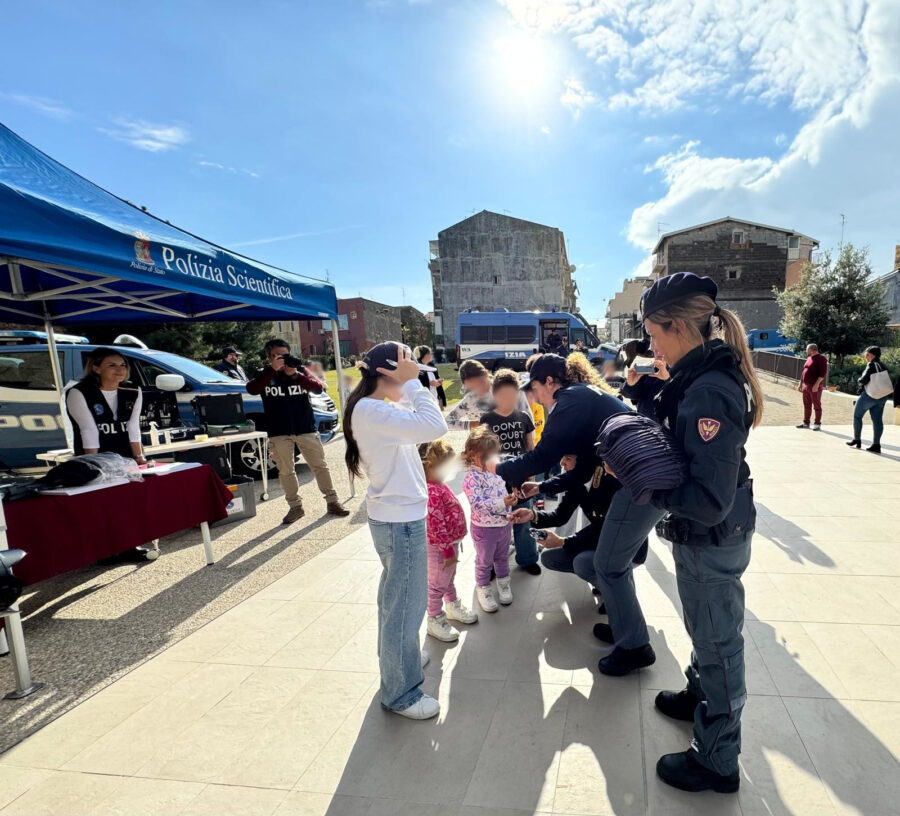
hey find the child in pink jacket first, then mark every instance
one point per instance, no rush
(446, 528)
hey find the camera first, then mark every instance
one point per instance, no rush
(292, 362)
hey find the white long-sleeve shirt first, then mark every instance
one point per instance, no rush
(387, 434)
(87, 423)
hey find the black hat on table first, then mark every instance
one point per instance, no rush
(672, 288)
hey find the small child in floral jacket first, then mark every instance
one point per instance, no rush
(491, 528)
(446, 526)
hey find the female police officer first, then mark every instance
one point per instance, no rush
(710, 402)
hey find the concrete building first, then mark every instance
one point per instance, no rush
(747, 260)
(623, 312)
(492, 260)
(361, 324)
(890, 284)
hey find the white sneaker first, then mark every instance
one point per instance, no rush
(486, 598)
(504, 590)
(440, 630)
(455, 611)
(422, 709)
(817, 427)
(426, 658)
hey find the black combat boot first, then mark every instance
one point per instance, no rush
(679, 705)
(620, 662)
(684, 771)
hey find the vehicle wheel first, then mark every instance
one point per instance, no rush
(264, 497)
(245, 461)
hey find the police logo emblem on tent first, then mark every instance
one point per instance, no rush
(708, 428)
(142, 248)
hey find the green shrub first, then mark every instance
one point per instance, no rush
(846, 375)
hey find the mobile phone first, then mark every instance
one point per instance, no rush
(538, 535)
(645, 369)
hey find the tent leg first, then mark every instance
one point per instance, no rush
(54, 354)
(336, 340)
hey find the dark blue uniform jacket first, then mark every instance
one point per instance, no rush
(708, 407)
(571, 427)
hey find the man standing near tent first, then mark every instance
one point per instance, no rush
(285, 386)
(229, 365)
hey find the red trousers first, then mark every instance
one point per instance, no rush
(812, 399)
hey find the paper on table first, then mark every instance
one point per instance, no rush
(168, 467)
(74, 491)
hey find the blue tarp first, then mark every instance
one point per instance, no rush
(90, 257)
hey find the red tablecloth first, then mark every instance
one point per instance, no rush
(62, 533)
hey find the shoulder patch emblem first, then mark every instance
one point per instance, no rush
(708, 428)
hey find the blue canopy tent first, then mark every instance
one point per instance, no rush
(74, 254)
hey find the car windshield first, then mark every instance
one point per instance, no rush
(190, 368)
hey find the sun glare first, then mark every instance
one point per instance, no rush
(523, 63)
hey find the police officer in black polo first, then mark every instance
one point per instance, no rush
(710, 401)
(285, 385)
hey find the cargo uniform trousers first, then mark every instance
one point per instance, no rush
(283, 452)
(712, 596)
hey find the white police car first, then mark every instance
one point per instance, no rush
(30, 421)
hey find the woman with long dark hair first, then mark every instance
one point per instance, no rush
(106, 415)
(387, 415)
(425, 357)
(872, 399)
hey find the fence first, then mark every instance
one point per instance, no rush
(781, 365)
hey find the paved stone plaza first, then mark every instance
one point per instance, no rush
(272, 707)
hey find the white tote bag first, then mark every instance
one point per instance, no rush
(879, 384)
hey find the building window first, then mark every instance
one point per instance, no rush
(732, 273)
(794, 242)
(496, 280)
(738, 237)
(353, 315)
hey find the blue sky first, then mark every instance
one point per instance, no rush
(343, 135)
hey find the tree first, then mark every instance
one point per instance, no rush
(199, 341)
(833, 307)
(416, 330)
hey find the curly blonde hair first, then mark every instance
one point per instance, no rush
(578, 369)
(482, 442)
(435, 453)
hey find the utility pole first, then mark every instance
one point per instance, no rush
(843, 219)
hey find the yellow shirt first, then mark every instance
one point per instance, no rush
(537, 411)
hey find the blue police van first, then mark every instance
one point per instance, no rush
(30, 412)
(504, 339)
(771, 340)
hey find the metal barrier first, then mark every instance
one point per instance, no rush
(781, 365)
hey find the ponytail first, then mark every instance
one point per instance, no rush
(734, 335)
(700, 315)
(363, 389)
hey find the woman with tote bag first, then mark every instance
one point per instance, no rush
(875, 387)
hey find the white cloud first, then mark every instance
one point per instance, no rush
(39, 104)
(834, 62)
(227, 167)
(663, 54)
(575, 97)
(545, 129)
(291, 236)
(147, 135)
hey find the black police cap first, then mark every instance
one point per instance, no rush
(672, 288)
(548, 365)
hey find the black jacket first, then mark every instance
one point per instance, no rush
(707, 405)
(643, 393)
(439, 391)
(871, 368)
(286, 404)
(593, 500)
(571, 427)
(235, 372)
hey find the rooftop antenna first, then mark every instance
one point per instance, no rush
(403, 293)
(843, 219)
(327, 276)
(659, 226)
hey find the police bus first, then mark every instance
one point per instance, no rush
(504, 339)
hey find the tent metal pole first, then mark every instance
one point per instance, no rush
(336, 340)
(54, 355)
